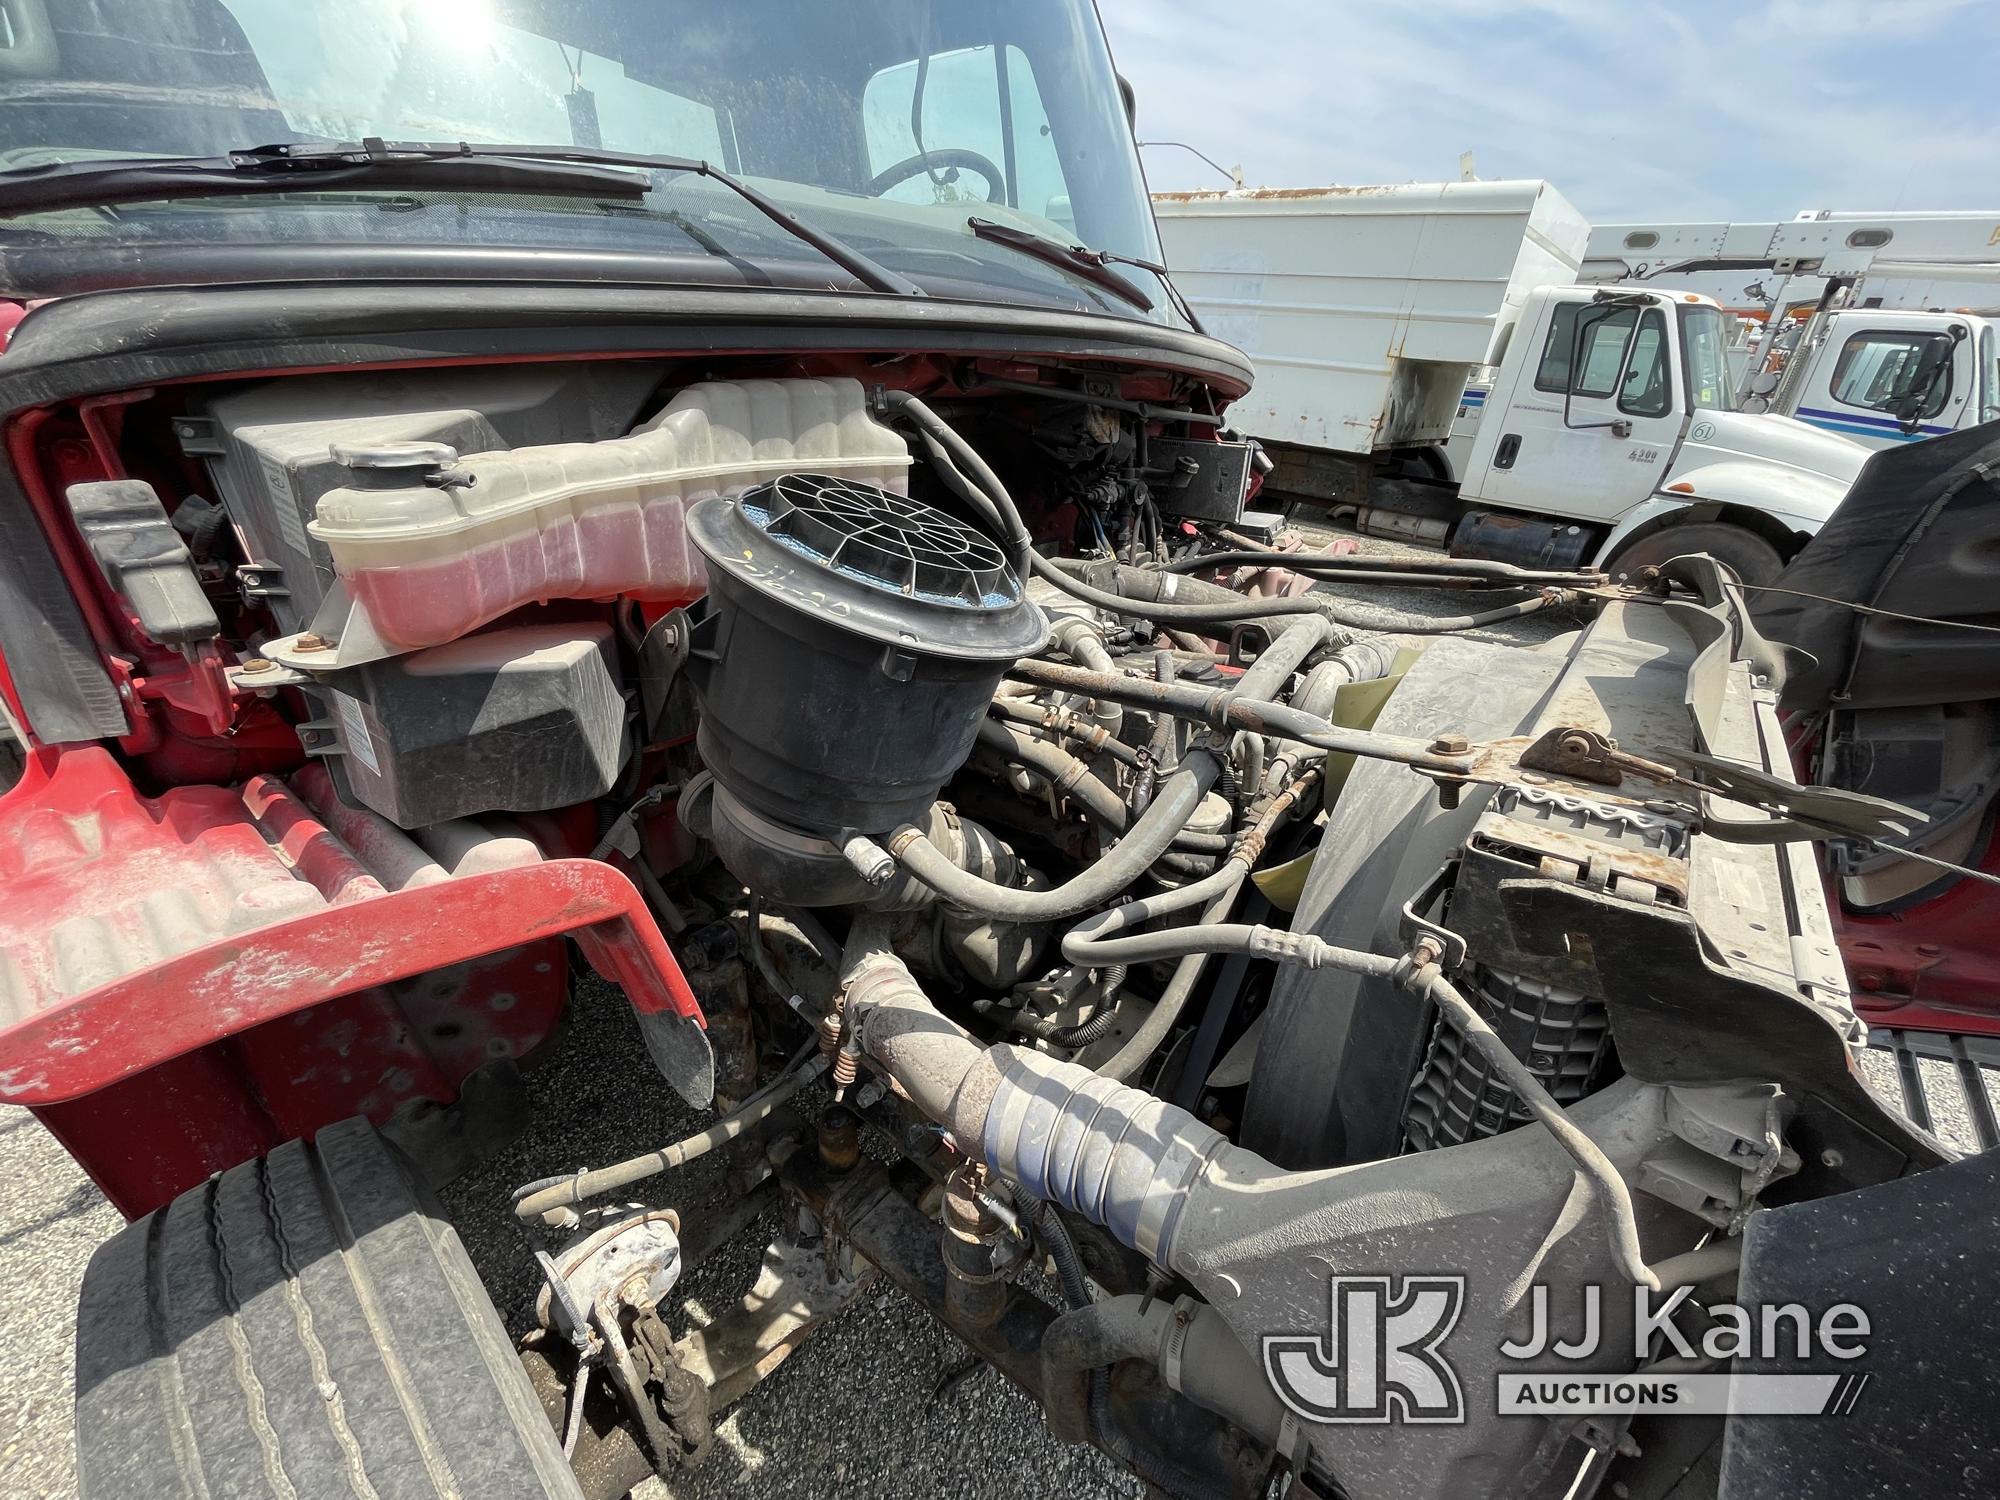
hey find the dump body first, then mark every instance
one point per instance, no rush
(1366, 309)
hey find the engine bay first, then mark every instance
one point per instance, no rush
(989, 761)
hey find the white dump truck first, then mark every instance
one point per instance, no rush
(1610, 433)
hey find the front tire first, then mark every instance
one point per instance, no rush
(307, 1326)
(1753, 559)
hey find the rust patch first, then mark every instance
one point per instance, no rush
(1270, 194)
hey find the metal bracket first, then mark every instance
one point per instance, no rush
(1414, 925)
(1586, 755)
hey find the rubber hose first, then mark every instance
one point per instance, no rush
(1067, 724)
(1055, 1236)
(1144, 842)
(1139, 1048)
(1073, 778)
(1499, 574)
(551, 1193)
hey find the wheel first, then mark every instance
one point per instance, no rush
(305, 1326)
(1754, 559)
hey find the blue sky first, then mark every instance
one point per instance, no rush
(1692, 111)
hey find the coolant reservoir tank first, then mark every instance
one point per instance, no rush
(430, 544)
(852, 641)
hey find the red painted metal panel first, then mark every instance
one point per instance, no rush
(186, 980)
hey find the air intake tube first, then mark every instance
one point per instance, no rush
(1230, 1222)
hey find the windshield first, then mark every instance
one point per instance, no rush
(887, 123)
(1705, 332)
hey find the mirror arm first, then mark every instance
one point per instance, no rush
(1603, 305)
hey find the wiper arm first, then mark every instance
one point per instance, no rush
(1093, 266)
(372, 165)
(408, 167)
(869, 272)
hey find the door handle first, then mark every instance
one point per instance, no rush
(1508, 451)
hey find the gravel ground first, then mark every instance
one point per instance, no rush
(872, 1404)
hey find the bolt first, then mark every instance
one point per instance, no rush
(311, 641)
(1832, 1158)
(258, 664)
(1426, 950)
(1450, 744)
(1574, 743)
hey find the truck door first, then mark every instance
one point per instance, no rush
(1606, 447)
(1866, 367)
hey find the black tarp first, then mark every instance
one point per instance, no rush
(1918, 534)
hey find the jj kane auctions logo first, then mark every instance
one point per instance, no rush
(1382, 1357)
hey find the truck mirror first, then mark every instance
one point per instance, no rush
(1931, 377)
(1764, 382)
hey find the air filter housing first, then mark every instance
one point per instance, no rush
(852, 640)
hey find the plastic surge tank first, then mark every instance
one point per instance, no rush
(429, 557)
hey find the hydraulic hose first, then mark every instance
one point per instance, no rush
(1235, 708)
(1055, 1238)
(552, 1193)
(1079, 638)
(1613, 1197)
(1446, 571)
(969, 476)
(1162, 612)
(1067, 723)
(1160, 1021)
(1150, 835)
(1083, 945)
(1072, 777)
(1067, 774)
(998, 505)
(1146, 593)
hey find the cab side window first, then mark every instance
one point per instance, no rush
(1624, 354)
(1877, 370)
(1647, 390)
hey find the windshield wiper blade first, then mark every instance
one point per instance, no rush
(869, 272)
(1093, 266)
(373, 165)
(272, 169)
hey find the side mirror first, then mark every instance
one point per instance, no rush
(1932, 377)
(1764, 383)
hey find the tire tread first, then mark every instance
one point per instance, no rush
(305, 1326)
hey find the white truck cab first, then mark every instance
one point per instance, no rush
(1883, 377)
(1610, 419)
(1615, 408)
